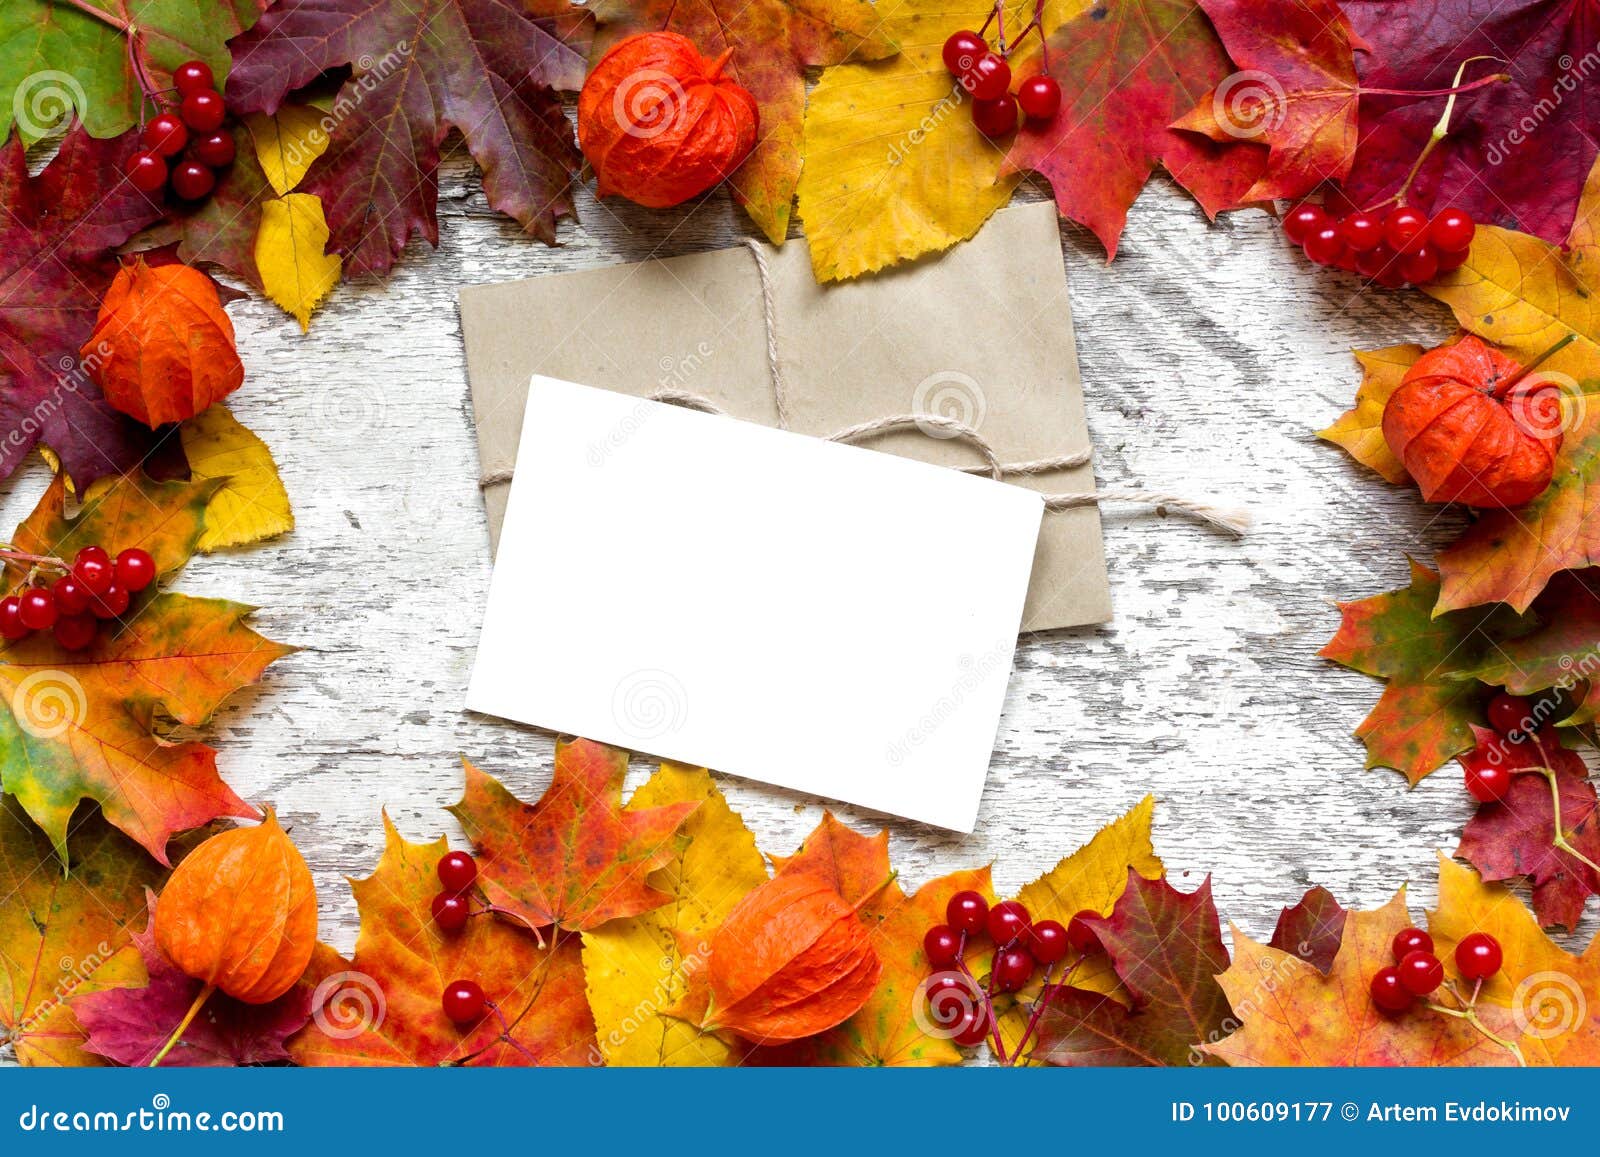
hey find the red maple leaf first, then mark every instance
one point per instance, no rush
(1517, 153)
(57, 236)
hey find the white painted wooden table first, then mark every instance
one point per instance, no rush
(1210, 356)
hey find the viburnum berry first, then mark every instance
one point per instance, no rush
(1373, 262)
(1419, 265)
(203, 110)
(112, 603)
(38, 610)
(135, 569)
(962, 49)
(11, 625)
(1488, 780)
(973, 1026)
(1008, 922)
(75, 632)
(215, 151)
(1478, 956)
(1040, 97)
(165, 135)
(1013, 968)
(464, 1001)
(1409, 940)
(72, 597)
(967, 912)
(146, 171)
(1452, 230)
(1449, 260)
(92, 567)
(1507, 713)
(193, 76)
(1081, 935)
(988, 78)
(1387, 991)
(1420, 972)
(450, 911)
(192, 181)
(1325, 245)
(1047, 939)
(995, 118)
(941, 944)
(1361, 231)
(1303, 220)
(457, 871)
(1404, 228)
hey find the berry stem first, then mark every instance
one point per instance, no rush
(12, 554)
(1470, 1015)
(1560, 841)
(1039, 1006)
(998, 1044)
(1441, 128)
(183, 1025)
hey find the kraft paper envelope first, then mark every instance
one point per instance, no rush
(880, 681)
(982, 333)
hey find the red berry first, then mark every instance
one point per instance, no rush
(92, 567)
(215, 151)
(1387, 991)
(961, 51)
(1478, 956)
(1375, 261)
(191, 180)
(1452, 230)
(75, 632)
(1081, 935)
(1420, 972)
(72, 598)
(203, 110)
(995, 118)
(1507, 714)
(193, 76)
(1449, 260)
(967, 912)
(941, 944)
(1013, 968)
(1040, 97)
(1048, 941)
(135, 569)
(11, 625)
(38, 611)
(147, 171)
(1008, 921)
(1361, 231)
(1303, 220)
(464, 1001)
(1488, 780)
(110, 604)
(973, 1028)
(165, 135)
(1420, 265)
(1325, 245)
(988, 78)
(1409, 940)
(457, 871)
(450, 911)
(1404, 227)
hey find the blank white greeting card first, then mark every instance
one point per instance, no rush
(822, 617)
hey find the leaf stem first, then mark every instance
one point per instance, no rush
(91, 11)
(1540, 360)
(183, 1025)
(1441, 128)
(1560, 841)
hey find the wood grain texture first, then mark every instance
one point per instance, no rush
(1210, 355)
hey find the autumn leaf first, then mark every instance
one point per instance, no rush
(286, 143)
(1491, 163)
(1296, 93)
(1563, 653)
(1430, 702)
(1312, 929)
(382, 1006)
(637, 965)
(56, 240)
(1360, 428)
(78, 724)
(1517, 836)
(1128, 69)
(577, 858)
(895, 168)
(378, 181)
(1291, 1014)
(65, 934)
(295, 272)
(1166, 948)
(773, 43)
(130, 1025)
(58, 57)
(250, 503)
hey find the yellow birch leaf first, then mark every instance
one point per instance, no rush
(1360, 428)
(286, 144)
(252, 503)
(639, 965)
(295, 271)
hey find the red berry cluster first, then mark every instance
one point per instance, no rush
(457, 872)
(986, 77)
(193, 130)
(1417, 972)
(1397, 248)
(94, 587)
(1489, 768)
(1020, 946)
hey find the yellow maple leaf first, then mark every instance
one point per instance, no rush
(894, 166)
(639, 966)
(1360, 428)
(252, 504)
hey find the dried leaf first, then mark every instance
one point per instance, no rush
(295, 272)
(250, 504)
(1360, 428)
(1312, 930)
